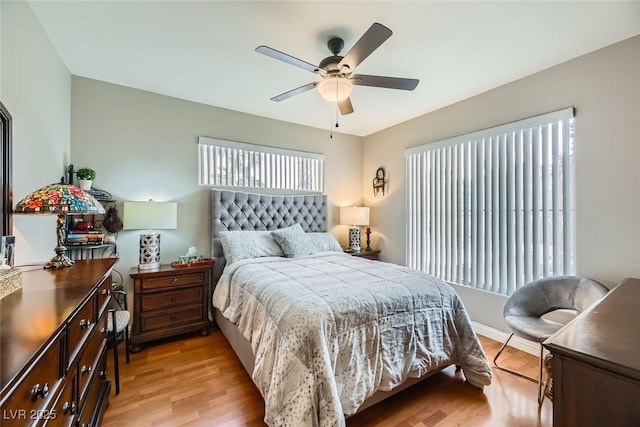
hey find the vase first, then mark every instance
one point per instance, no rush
(85, 184)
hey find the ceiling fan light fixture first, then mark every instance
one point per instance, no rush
(335, 88)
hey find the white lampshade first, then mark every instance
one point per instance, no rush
(335, 88)
(150, 216)
(354, 215)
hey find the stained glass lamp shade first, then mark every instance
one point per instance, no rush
(59, 199)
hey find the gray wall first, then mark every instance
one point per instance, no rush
(36, 89)
(604, 87)
(144, 145)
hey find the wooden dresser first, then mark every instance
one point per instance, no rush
(596, 363)
(170, 301)
(53, 346)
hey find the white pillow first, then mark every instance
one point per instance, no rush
(325, 242)
(294, 241)
(240, 244)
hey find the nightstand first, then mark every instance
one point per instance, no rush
(169, 301)
(366, 254)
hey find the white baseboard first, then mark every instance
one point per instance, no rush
(516, 342)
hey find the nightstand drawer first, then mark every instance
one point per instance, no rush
(178, 298)
(172, 318)
(174, 280)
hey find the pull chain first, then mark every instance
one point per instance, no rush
(337, 113)
(330, 128)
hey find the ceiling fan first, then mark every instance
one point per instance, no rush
(337, 71)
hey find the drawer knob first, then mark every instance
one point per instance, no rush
(85, 323)
(86, 369)
(173, 317)
(38, 391)
(174, 280)
(103, 375)
(69, 408)
(173, 299)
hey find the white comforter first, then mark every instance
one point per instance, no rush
(330, 329)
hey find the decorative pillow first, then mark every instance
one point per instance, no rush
(324, 242)
(294, 241)
(240, 244)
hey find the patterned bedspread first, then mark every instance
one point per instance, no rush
(329, 330)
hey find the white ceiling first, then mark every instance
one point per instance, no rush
(204, 51)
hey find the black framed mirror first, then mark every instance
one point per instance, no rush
(6, 199)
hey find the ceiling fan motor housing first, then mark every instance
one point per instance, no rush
(330, 63)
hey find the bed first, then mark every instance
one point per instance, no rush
(323, 334)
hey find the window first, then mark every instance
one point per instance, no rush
(494, 209)
(234, 164)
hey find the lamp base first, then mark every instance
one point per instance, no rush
(149, 266)
(60, 260)
(149, 251)
(354, 239)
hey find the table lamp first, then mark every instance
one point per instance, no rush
(150, 216)
(354, 216)
(59, 199)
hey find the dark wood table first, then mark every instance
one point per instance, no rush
(596, 363)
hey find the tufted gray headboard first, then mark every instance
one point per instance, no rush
(234, 210)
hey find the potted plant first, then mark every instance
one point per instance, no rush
(85, 178)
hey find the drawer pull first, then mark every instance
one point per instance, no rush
(85, 323)
(103, 375)
(173, 317)
(174, 280)
(69, 408)
(86, 369)
(173, 299)
(38, 391)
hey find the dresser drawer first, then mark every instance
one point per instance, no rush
(88, 361)
(172, 318)
(92, 409)
(30, 400)
(104, 295)
(79, 327)
(174, 280)
(174, 298)
(63, 413)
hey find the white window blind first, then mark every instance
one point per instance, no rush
(494, 209)
(234, 164)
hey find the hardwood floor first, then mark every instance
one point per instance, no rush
(198, 381)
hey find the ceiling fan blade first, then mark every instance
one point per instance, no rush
(370, 41)
(345, 106)
(293, 92)
(281, 56)
(385, 82)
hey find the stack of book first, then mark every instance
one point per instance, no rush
(85, 237)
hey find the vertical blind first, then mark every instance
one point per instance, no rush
(494, 209)
(234, 164)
